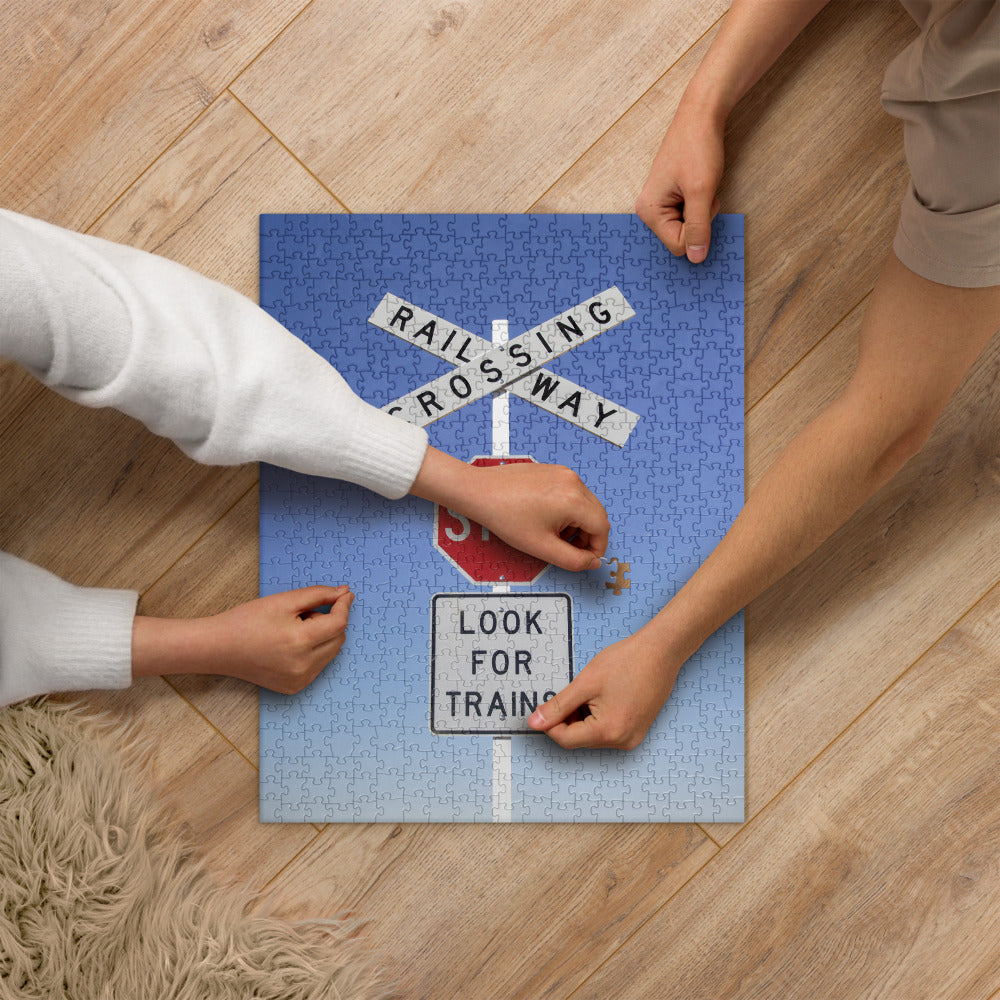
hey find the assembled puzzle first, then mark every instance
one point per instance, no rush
(574, 339)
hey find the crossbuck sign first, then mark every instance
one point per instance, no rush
(517, 365)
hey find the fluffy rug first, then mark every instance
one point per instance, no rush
(103, 898)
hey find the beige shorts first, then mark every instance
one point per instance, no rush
(945, 86)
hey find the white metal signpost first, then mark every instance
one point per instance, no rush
(495, 657)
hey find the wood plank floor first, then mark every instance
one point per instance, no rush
(869, 863)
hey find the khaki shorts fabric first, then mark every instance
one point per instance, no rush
(945, 86)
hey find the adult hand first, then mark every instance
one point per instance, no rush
(678, 200)
(613, 701)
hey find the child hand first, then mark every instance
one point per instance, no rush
(545, 510)
(613, 701)
(678, 200)
(280, 642)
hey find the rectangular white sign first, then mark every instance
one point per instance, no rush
(564, 398)
(495, 658)
(432, 333)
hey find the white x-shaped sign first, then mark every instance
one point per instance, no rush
(516, 366)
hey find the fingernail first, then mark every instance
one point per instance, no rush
(695, 252)
(536, 718)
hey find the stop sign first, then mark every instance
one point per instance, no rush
(475, 551)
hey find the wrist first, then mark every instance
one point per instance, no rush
(162, 646)
(706, 103)
(446, 480)
(675, 634)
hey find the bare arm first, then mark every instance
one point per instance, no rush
(678, 200)
(282, 642)
(751, 37)
(918, 339)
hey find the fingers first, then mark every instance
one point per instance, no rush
(565, 555)
(580, 544)
(596, 732)
(595, 526)
(329, 650)
(685, 228)
(578, 734)
(331, 626)
(556, 717)
(666, 222)
(592, 712)
(306, 598)
(560, 706)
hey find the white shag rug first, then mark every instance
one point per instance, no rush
(102, 897)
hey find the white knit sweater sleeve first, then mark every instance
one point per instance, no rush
(57, 637)
(108, 325)
(195, 361)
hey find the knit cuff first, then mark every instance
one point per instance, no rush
(55, 636)
(91, 641)
(385, 453)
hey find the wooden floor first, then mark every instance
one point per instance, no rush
(869, 865)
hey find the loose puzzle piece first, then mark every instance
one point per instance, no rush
(571, 339)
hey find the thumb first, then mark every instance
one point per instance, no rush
(698, 228)
(560, 706)
(306, 598)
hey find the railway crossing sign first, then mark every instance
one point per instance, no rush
(483, 368)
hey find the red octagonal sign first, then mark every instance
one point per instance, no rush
(475, 551)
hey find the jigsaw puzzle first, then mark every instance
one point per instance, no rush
(575, 339)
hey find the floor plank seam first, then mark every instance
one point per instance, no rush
(152, 163)
(814, 347)
(187, 701)
(305, 847)
(213, 195)
(770, 804)
(246, 68)
(593, 972)
(704, 829)
(221, 517)
(194, 121)
(625, 113)
(886, 691)
(339, 201)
